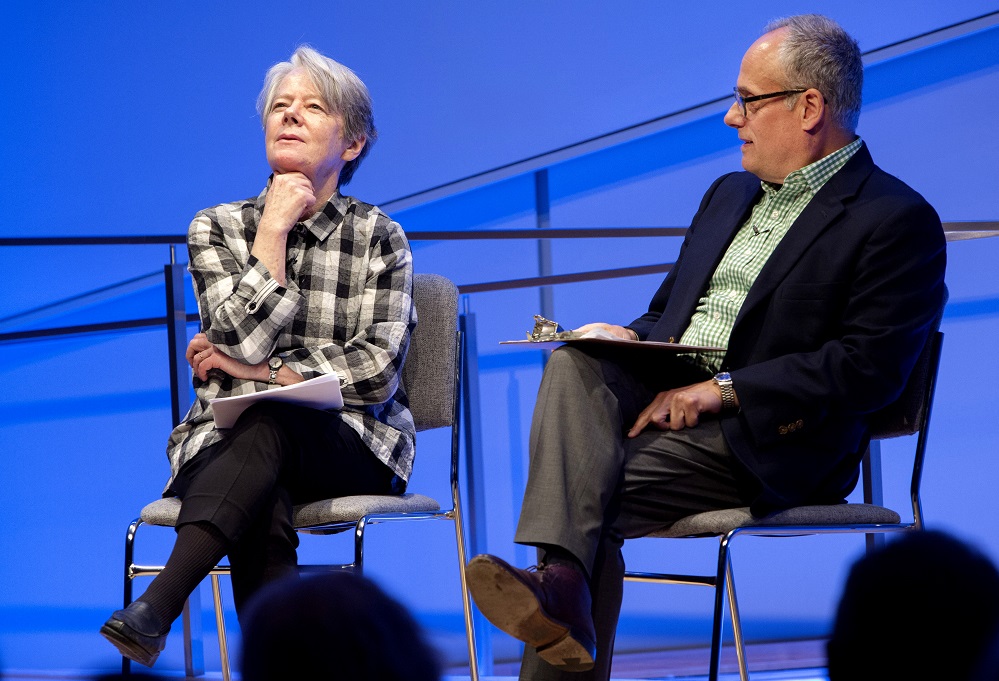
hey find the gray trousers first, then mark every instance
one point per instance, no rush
(590, 487)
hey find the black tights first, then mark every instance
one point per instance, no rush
(238, 496)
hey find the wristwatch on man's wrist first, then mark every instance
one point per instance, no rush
(724, 382)
(274, 364)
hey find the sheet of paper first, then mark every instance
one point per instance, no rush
(321, 392)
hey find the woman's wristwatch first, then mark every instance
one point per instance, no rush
(274, 364)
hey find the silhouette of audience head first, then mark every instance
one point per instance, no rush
(926, 606)
(332, 626)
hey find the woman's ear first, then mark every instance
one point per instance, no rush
(354, 150)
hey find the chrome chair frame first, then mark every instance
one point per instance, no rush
(323, 517)
(909, 415)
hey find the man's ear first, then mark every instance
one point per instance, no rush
(354, 150)
(813, 109)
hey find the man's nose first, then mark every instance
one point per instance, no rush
(734, 117)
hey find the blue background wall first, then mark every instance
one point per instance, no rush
(121, 119)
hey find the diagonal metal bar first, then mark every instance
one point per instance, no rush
(565, 278)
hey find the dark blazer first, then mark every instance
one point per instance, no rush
(829, 331)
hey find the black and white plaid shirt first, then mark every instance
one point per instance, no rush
(347, 308)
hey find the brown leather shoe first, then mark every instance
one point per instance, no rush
(548, 609)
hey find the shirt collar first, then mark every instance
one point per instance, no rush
(812, 177)
(324, 221)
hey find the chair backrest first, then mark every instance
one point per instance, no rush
(910, 412)
(429, 374)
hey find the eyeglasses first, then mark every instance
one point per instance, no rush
(743, 101)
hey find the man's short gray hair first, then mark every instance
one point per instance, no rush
(818, 53)
(342, 91)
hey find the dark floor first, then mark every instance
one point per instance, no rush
(783, 661)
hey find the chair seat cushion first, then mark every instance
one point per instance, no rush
(351, 509)
(712, 523)
(340, 510)
(161, 512)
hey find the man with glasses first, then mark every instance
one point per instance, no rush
(821, 276)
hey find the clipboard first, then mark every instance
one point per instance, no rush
(548, 335)
(615, 342)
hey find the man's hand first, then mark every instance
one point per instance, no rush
(679, 408)
(613, 329)
(203, 356)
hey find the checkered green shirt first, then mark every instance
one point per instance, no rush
(749, 251)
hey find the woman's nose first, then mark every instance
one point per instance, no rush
(291, 112)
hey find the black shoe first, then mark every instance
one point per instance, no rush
(136, 632)
(549, 609)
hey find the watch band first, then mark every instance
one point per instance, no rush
(724, 382)
(274, 364)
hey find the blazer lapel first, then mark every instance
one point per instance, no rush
(818, 215)
(716, 228)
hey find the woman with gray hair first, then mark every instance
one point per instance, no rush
(295, 283)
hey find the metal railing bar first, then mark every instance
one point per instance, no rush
(556, 156)
(124, 240)
(596, 275)
(976, 227)
(965, 236)
(956, 231)
(467, 288)
(547, 233)
(79, 329)
(88, 298)
(414, 235)
(664, 122)
(937, 35)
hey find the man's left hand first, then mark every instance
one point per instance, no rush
(679, 408)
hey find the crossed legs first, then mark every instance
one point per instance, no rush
(589, 487)
(237, 500)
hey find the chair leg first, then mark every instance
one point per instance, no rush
(733, 607)
(220, 626)
(194, 653)
(719, 610)
(358, 566)
(466, 600)
(194, 658)
(873, 490)
(126, 664)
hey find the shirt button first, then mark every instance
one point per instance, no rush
(717, 315)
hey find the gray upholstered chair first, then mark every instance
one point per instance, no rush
(432, 376)
(909, 415)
